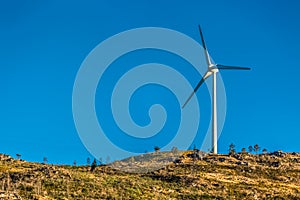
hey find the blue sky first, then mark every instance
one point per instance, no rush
(42, 45)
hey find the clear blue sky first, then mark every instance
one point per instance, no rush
(43, 43)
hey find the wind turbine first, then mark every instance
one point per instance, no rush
(212, 70)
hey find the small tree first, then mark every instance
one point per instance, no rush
(256, 148)
(18, 156)
(88, 161)
(132, 160)
(174, 150)
(94, 165)
(156, 149)
(250, 149)
(45, 160)
(244, 150)
(265, 151)
(100, 161)
(107, 160)
(195, 148)
(231, 149)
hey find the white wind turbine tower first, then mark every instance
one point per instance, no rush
(213, 69)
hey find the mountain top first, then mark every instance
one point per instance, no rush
(190, 175)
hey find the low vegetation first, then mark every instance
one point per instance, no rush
(193, 175)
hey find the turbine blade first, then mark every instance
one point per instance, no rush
(204, 46)
(232, 67)
(197, 87)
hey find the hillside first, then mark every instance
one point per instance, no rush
(192, 176)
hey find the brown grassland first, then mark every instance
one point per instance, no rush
(238, 176)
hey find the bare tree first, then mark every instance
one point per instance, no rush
(68, 190)
(39, 186)
(8, 183)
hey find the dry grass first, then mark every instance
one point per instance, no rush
(241, 176)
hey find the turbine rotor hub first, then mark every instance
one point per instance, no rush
(213, 68)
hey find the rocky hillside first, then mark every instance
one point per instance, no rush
(193, 176)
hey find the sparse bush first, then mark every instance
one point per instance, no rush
(18, 156)
(195, 148)
(107, 160)
(174, 150)
(266, 177)
(132, 160)
(231, 149)
(100, 161)
(244, 150)
(45, 160)
(265, 151)
(250, 149)
(156, 149)
(94, 165)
